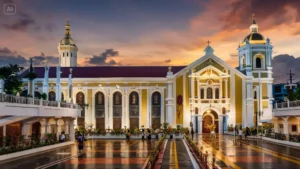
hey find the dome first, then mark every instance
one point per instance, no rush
(67, 40)
(254, 37)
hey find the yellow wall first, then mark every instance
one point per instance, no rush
(264, 90)
(179, 108)
(265, 104)
(238, 99)
(144, 107)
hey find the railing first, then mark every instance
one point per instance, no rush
(5, 98)
(287, 104)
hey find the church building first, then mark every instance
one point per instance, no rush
(207, 91)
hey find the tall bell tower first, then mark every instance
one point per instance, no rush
(67, 49)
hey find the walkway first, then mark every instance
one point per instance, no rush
(176, 156)
(255, 155)
(108, 154)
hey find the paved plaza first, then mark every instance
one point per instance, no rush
(132, 154)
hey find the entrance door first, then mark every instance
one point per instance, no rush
(100, 123)
(207, 120)
(117, 123)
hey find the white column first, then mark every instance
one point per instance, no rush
(226, 88)
(170, 103)
(26, 130)
(33, 89)
(4, 130)
(193, 87)
(72, 132)
(276, 125)
(1, 85)
(249, 105)
(200, 124)
(285, 126)
(67, 130)
(221, 124)
(28, 87)
(194, 122)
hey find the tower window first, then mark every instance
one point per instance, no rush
(209, 93)
(67, 54)
(258, 62)
(63, 54)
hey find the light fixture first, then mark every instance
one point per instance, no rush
(100, 85)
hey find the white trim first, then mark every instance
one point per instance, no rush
(193, 160)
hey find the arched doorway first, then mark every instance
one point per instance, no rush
(134, 110)
(100, 110)
(210, 117)
(156, 110)
(81, 102)
(36, 129)
(117, 110)
(51, 96)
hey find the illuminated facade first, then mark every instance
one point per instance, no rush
(206, 91)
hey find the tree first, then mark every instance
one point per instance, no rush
(297, 93)
(10, 75)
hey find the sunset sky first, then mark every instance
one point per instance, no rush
(149, 32)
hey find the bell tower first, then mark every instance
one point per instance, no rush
(67, 49)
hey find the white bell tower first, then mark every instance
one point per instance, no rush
(67, 49)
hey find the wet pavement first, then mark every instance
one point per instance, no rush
(254, 154)
(108, 154)
(132, 154)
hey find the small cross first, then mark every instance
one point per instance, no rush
(208, 42)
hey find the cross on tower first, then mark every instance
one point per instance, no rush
(253, 15)
(291, 77)
(30, 60)
(208, 42)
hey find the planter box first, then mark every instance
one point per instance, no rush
(113, 136)
(33, 151)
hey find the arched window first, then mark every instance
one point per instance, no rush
(67, 53)
(117, 110)
(63, 54)
(202, 93)
(224, 110)
(258, 62)
(51, 96)
(196, 110)
(209, 93)
(217, 93)
(255, 94)
(100, 110)
(156, 110)
(134, 110)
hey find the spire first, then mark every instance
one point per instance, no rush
(253, 26)
(68, 31)
(253, 19)
(208, 50)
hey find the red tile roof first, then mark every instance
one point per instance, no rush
(108, 71)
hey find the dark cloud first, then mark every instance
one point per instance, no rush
(241, 10)
(282, 64)
(168, 61)
(22, 23)
(42, 60)
(104, 58)
(7, 56)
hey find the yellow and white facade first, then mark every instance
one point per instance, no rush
(208, 91)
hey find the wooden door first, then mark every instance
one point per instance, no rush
(207, 120)
(100, 123)
(117, 123)
(134, 123)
